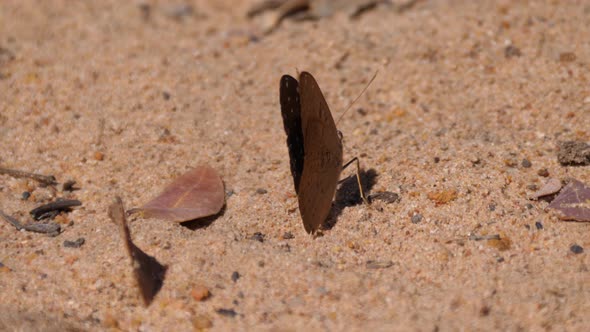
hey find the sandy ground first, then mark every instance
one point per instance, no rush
(98, 93)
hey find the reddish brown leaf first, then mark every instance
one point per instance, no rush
(148, 272)
(573, 202)
(196, 194)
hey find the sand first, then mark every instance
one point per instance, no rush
(122, 103)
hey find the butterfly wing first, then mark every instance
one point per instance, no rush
(323, 155)
(291, 112)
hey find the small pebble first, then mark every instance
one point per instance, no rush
(532, 187)
(543, 172)
(527, 226)
(529, 206)
(288, 236)
(68, 185)
(500, 259)
(227, 312)
(202, 322)
(165, 95)
(74, 244)
(512, 51)
(485, 311)
(539, 225)
(576, 249)
(25, 195)
(492, 207)
(235, 276)
(510, 162)
(261, 191)
(436, 160)
(257, 237)
(98, 156)
(146, 10)
(416, 218)
(526, 163)
(200, 293)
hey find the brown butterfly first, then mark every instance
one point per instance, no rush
(315, 148)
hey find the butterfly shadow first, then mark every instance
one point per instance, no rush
(204, 222)
(348, 194)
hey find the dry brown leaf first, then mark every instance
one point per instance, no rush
(573, 202)
(196, 194)
(149, 273)
(551, 187)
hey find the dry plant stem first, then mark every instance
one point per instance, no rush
(117, 215)
(51, 228)
(12, 220)
(484, 237)
(358, 178)
(44, 179)
(264, 6)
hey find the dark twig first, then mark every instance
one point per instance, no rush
(48, 180)
(51, 228)
(50, 209)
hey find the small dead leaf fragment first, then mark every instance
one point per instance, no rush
(551, 187)
(567, 57)
(196, 194)
(573, 203)
(385, 196)
(443, 196)
(149, 273)
(379, 264)
(4, 268)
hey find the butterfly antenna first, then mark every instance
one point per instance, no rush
(359, 96)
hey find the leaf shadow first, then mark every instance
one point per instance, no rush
(204, 222)
(348, 194)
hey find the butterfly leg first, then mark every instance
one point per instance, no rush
(358, 177)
